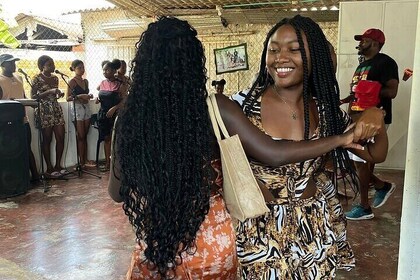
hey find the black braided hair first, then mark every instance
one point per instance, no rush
(216, 82)
(114, 64)
(319, 83)
(75, 63)
(42, 60)
(164, 142)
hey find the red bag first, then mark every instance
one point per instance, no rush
(367, 95)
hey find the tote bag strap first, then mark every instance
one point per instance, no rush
(213, 118)
(219, 119)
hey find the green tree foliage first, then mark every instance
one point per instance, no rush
(6, 37)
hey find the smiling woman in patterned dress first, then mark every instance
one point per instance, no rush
(296, 98)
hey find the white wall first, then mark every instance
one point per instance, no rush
(398, 20)
(409, 251)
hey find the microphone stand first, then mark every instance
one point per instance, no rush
(42, 177)
(78, 166)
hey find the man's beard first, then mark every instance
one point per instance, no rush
(362, 51)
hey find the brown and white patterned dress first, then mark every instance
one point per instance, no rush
(50, 112)
(298, 238)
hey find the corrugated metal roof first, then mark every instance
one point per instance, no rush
(235, 11)
(72, 30)
(99, 9)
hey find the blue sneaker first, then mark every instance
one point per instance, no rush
(382, 195)
(359, 213)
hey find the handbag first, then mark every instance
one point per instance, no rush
(242, 195)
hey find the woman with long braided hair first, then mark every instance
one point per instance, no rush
(169, 162)
(296, 97)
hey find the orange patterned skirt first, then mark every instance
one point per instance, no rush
(215, 257)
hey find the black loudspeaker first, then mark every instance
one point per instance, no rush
(14, 157)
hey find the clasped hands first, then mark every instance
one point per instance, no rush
(85, 97)
(82, 97)
(367, 126)
(57, 93)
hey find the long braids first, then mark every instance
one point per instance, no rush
(163, 142)
(324, 87)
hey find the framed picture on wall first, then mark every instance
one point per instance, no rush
(231, 59)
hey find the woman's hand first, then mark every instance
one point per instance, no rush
(368, 124)
(111, 112)
(52, 92)
(347, 139)
(97, 100)
(58, 93)
(84, 97)
(371, 124)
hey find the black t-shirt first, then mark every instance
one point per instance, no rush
(381, 68)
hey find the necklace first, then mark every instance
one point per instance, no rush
(294, 114)
(45, 76)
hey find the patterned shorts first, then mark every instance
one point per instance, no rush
(82, 111)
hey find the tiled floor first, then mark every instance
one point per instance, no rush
(76, 232)
(375, 242)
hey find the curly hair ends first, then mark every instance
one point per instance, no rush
(164, 140)
(319, 82)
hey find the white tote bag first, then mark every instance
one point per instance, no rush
(241, 192)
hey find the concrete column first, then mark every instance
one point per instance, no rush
(409, 254)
